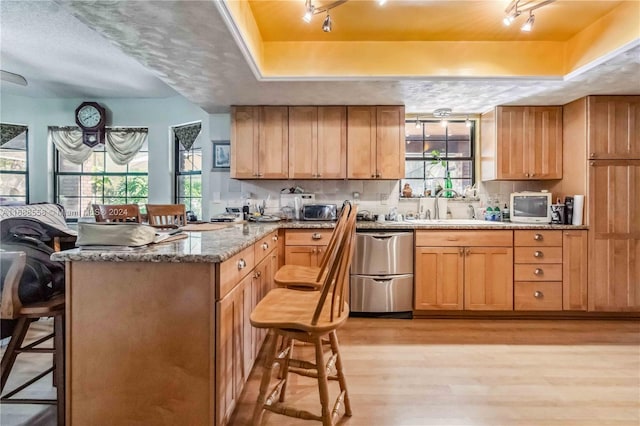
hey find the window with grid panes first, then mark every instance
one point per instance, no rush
(453, 145)
(189, 176)
(98, 180)
(14, 170)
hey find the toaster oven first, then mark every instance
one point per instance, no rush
(319, 212)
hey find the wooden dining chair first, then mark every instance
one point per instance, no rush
(117, 213)
(167, 216)
(307, 316)
(304, 277)
(13, 266)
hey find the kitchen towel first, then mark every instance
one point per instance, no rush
(578, 207)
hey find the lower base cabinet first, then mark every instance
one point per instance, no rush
(456, 270)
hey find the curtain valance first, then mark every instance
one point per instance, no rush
(122, 143)
(187, 134)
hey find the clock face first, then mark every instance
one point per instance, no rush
(89, 116)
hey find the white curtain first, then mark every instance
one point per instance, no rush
(122, 144)
(68, 140)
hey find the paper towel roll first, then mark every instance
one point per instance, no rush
(578, 207)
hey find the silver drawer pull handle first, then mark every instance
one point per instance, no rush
(242, 264)
(538, 294)
(538, 254)
(538, 271)
(316, 236)
(265, 246)
(538, 237)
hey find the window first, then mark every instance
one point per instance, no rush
(433, 150)
(99, 180)
(189, 176)
(14, 168)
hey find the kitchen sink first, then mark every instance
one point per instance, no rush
(474, 222)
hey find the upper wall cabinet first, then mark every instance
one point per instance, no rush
(375, 137)
(317, 142)
(260, 142)
(614, 127)
(521, 143)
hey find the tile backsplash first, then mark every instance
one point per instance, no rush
(376, 196)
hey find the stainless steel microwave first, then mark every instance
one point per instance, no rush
(530, 207)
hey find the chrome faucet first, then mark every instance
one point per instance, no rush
(436, 209)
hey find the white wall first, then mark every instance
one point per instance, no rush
(158, 115)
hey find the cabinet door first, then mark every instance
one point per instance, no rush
(303, 142)
(332, 142)
(544, 140)
(439, 278)
(244, 142)
(361, 137)
(273, 153)
(259, 288)
(230, 350)
(390, 142)
(614, 127)
(512, 151)
(574, 271)
(301, 255)
(488, 278)
(614, 235)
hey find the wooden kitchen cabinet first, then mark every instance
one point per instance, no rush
(574, 270)
(614, 235)
(471, 270)
(260, 142)
(439, 278)
(521, 143)
(305, 247)
(376, 146)
(317, 142)
(614, 127)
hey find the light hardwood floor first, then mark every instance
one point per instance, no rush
(454, 372)
(479, 372)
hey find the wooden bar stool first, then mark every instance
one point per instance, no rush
(167, 216)
(117, 213)
(11, 308)
(310, 277)
(307, 316)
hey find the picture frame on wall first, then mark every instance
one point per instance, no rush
(221, 156)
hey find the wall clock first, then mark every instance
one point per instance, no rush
(91, 118)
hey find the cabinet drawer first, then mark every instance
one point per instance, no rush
(233, 270)
(316, 237)
(537, 255)
(538, 272)
(537, 296)
(538, 238)
(264, 246)
(464, 238)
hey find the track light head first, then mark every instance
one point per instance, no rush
(467, 122)
(326, 25)
(418, 123)
(529, 24)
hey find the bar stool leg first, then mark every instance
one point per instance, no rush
(284, 370)
(59, 369)
(270, 355)
(335, 348)
(323, 386)
(9, 358)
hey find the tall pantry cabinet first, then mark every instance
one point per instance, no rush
(605, 131)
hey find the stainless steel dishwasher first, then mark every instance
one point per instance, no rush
(382, 272)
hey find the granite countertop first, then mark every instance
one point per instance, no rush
(219, 245)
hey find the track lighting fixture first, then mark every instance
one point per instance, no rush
(418, 125)
(517, 7)
(326, 25)
(529, 24)
(310, 10)
(467, 122)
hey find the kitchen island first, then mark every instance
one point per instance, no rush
(162, 336)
